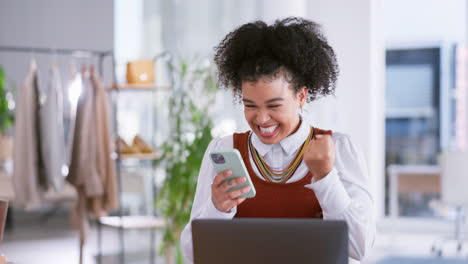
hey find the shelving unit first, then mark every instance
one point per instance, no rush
(138, 87)
(121, 221)
(141, 156)
(133, 222)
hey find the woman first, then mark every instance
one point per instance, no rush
(298, 170)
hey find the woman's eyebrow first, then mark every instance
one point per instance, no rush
(274, 100)
(248, 101)
(266, 102)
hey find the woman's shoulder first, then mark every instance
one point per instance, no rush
(343, 142)
(335, 135)
(227, 141)
(222, 142)
(345, 145)
(340, 136)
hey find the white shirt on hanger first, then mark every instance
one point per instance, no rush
(343, 194)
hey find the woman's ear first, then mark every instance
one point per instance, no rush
(302, 96)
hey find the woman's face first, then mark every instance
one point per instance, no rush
(270, 108)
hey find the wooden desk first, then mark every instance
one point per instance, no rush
(412, 178)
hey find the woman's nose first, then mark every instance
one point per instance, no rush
(262, 117)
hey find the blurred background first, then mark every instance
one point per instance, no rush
(402, 95)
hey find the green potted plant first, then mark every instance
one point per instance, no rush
(190, 134)
(6, 121)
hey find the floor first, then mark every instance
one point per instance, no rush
(35, 240)
(411, 238)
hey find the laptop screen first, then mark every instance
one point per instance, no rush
(272, 241)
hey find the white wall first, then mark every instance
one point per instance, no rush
(128, 34)
(425, 21)
(354, 29)
(82, 24)
(63, 24)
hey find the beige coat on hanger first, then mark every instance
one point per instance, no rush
(28, 175)
(92, 170)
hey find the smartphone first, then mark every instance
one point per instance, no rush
(232, 160)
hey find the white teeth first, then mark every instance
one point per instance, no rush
(268, 129)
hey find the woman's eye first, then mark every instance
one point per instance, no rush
(273, 106)
(250, 106)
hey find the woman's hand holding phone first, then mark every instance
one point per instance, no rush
(223, 199)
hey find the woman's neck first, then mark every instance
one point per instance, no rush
(297, 126)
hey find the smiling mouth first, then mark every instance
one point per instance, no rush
(267, 131)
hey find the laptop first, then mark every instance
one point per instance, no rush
(267, 240)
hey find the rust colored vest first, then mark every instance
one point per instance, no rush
(276, 200)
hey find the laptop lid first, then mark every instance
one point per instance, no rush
(272, 241)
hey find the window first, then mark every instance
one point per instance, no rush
(412, 120)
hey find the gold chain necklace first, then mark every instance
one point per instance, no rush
(278, 176)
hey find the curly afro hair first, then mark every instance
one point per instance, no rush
(293, 47)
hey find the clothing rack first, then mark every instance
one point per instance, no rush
(101, 55)
(73, 52)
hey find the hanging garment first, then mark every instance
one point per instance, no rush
(28, 168)
(71, 93)
(52, 132)
(106, 165)
(92, 170)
